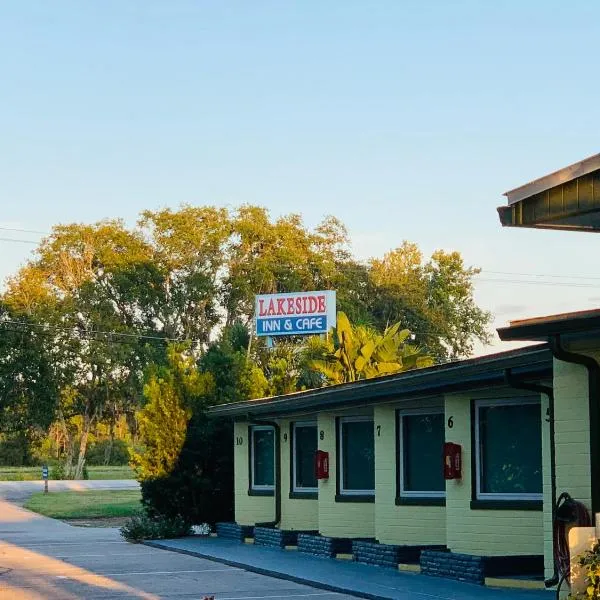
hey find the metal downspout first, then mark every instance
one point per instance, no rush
(519, 384)
(593, 369)
(277, 491)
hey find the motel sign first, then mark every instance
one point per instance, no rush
(297, 313)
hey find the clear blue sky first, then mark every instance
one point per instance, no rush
(407, 120)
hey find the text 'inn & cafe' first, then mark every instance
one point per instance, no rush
(454, 470)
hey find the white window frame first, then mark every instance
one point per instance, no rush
(253, 486)
(410, 413)
(295, 487)
(342, 490)
(479, 495)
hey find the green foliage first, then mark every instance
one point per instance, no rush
(143, 527)
(58, 472)
(236, 376)
(200, 487)
(117, 449)
(173, 393)
(359, 352)
(103, 300)
(28, 383)
(14, 451)
(433, 298)
(589, 561)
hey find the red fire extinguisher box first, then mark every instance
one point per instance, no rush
(322, 464)
(452, 461)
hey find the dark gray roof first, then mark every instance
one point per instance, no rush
(533, 361)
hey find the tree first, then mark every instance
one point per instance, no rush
(359, 352)
(174, 393)
(279, 256)
(110, 298)
(433, 298)
(28, 386)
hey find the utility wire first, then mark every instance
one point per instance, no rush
(540, 275)
(583, 278)
(544, 283)
(87, 333)
(25, 230)
(2, 239)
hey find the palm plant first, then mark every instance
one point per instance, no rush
(358, 352)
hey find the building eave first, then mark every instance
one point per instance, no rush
(540, 329)
(533, 361)
(578, 169)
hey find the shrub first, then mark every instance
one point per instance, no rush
(200, 487)
(14, 452)
(58, 472)
(589, 561)
(97, 453)
(144, 527)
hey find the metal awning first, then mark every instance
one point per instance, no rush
(568, 199)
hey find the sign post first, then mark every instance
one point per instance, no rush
(45, 478)
(297, 313)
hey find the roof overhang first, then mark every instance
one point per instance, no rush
(534, 362)
(568, 199)
(583, 323)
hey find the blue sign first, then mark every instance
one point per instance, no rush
(297, 313)
(291, 326)
(44, 472)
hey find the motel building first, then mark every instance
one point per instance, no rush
(453, 470)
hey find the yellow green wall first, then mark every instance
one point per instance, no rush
(248, 509)
(340, 519)
(571, 435)
(399, 524)
(483, 532)
(486, 532)
(296, 514)
(572, 430)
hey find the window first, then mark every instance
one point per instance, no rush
(303, 459)
(508, 435)
(357, 456)
(262, 459)
(421, 441)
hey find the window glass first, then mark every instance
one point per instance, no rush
(358, 456)
(305, 443)
(263, 457)
(422, 448)
(510, 449)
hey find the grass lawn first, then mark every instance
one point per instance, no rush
(86, 505)
(35, 473)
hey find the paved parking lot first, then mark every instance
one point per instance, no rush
(42, 559)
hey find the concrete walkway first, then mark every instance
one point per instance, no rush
(337, 575)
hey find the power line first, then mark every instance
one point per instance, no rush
(87, 333)
(540, 275)
(2, 239)
(479, 278)
(543, 283)
(37, 232)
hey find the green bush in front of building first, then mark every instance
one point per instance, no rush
(199, 489)
(589, 561)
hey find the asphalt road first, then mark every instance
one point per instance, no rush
(43, 559)
(19, 491)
